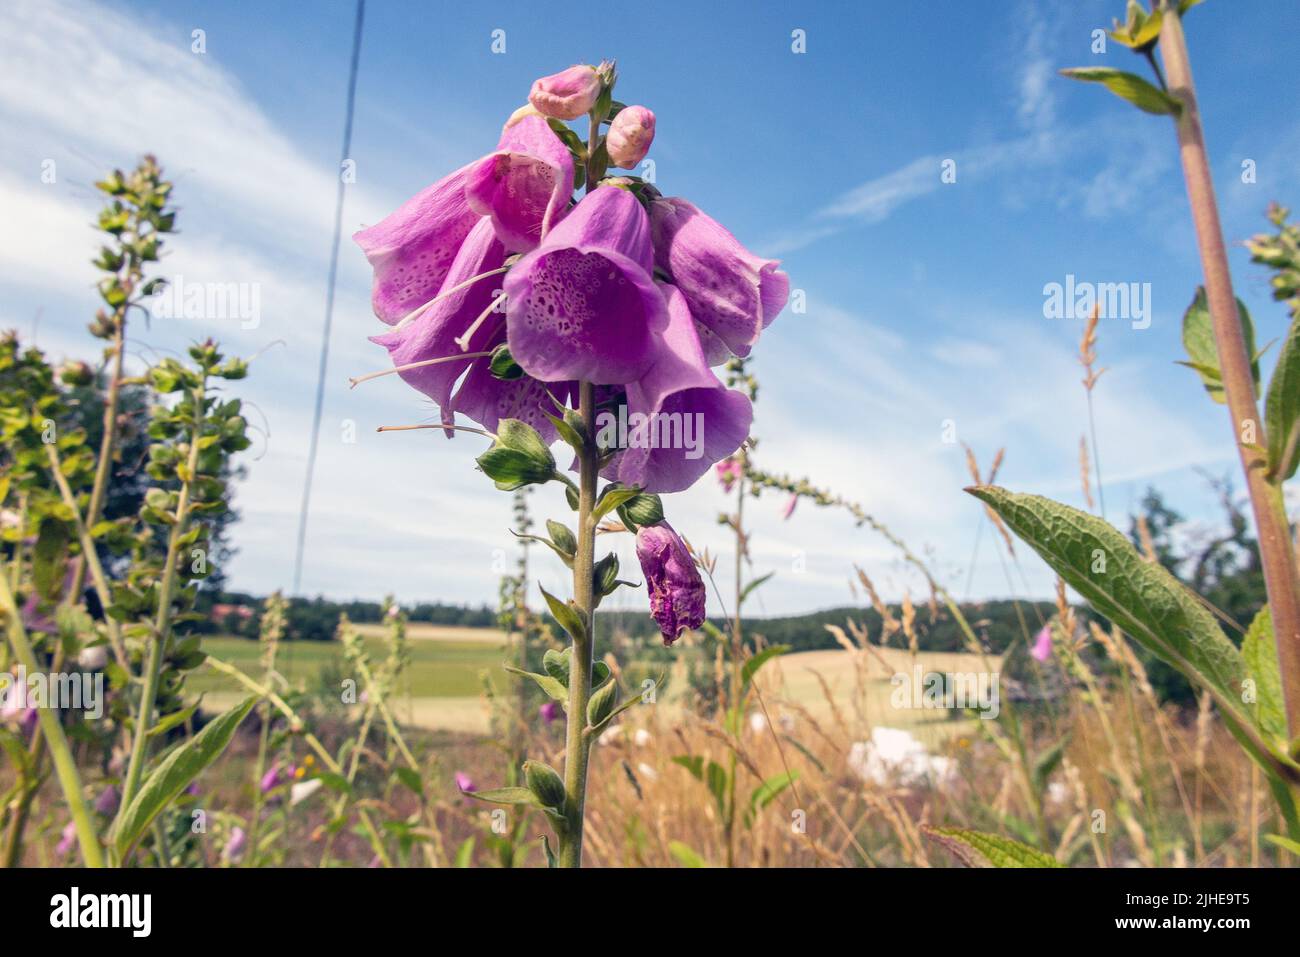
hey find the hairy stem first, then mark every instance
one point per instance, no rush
(1275, 549)
(577, 742)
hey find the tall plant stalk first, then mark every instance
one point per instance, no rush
(162, 622)
(577, 743)
(1275, 547)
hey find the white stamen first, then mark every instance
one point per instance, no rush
(415, 365)
(407, 319)
(463, 339)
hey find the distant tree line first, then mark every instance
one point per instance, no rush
(316, 619)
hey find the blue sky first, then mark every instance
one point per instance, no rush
(924, 299)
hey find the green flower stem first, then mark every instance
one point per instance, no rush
(737, 652)
(163, 619)
(1277, 557)
(104, 466)
(91, 557)
(577, 742)
(271, 635)
(64, 766)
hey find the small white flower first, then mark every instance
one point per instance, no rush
(647, 772)
(610, 734)
(642, 737)
(757, 722)
(93, 658)
(303, 790)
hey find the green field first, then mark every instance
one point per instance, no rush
(441, 668)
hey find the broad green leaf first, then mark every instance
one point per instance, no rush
(1203, 349)
(1282, 410)
(174, 774)
(1128, 86)
(685, 855)
(1259, 651)
(977, 849)
(1142, 598)
(757, 661)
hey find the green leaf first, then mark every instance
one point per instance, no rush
(1277, 840)
(769, 790)
(1282, 410)
(1203, 350)
(685, 855)
(465, 853)
(174, 774)
(753, 585)
(569, 427)
(601, 704)
(411, 778)
(716, 778)
(757, 661)
(1142, 598)
(977, 849)
(518, 796)
(611, 497)
(1259, 651)
(567, 614)
(548, 684)
(165, 724)
(693, 763)
(1047, 763)
(556, 664)
(47, 557)
(505, 796)
(1128, 86)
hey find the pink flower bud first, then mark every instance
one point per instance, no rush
(630, 136)
(568, 94)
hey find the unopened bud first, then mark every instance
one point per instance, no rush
(630, 136)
